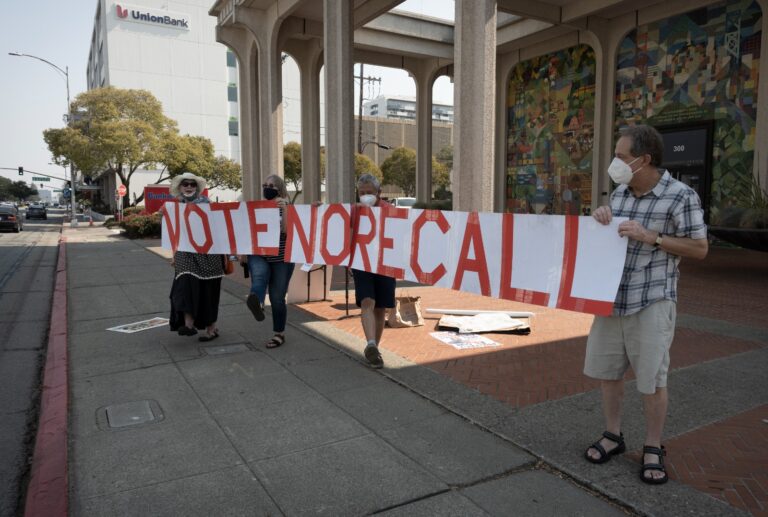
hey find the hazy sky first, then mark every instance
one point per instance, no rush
(33, 95)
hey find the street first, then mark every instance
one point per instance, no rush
(27, 266)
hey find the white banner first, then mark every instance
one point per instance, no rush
(568, 262)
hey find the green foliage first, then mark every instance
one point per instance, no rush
(400, 169)
(445, 157)
(364, 165)
(435, 204)
(139, 226)
(113, 130)
(15, 190)
(225, 173)
(292, 166)
(133, 210)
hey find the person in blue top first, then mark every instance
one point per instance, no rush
(271, 272)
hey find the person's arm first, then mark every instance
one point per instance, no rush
(680, 246)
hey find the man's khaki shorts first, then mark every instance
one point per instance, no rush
(641, 340)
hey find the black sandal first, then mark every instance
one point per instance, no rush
(605, 456)
(276, 341)
(660, 452)
(187, 331)
(209, 337)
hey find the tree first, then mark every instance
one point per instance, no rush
(441, 179)
(292, 166)
(15, 190)
(113, 131)
(364, 165)
(225, 173)
(184, 153)
(445, 157)
(400, 169)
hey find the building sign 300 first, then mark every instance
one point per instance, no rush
(152, 17)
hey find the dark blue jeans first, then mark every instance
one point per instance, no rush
(272, 276)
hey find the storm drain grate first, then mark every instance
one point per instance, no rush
(129, 414)
(225, 349)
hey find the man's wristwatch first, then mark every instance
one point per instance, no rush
(658, 242)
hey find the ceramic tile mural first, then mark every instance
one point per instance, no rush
(699, 66)
(550, 133)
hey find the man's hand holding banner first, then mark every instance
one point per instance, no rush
(567, 262)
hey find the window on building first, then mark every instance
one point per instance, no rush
(232, 92)
(231, 60)
(233, 127)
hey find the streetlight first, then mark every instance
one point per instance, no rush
(380, 146)
(65, 73)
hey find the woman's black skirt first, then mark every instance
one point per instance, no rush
(200, 298)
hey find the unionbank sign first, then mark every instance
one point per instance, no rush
(152, 17)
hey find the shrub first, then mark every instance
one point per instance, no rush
(133, 210)
(436, 204)
(142, 226)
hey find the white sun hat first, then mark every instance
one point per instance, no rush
(176, 181)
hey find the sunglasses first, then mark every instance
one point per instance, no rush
(189, 184)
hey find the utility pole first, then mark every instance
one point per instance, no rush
(363, 80)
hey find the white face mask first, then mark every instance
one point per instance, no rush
(368, 199)
(621, 172)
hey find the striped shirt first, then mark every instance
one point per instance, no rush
(650, 274)
(280, 257)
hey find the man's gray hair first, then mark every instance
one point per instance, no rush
(645, 140)
(368, 179)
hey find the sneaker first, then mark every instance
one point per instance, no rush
(255, 306)
(374, 357)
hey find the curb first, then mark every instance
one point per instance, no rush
(47, 493)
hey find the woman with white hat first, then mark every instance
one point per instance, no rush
(197, 277)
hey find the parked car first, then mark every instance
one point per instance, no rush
(10, 218)
(404, 202)
(37, 212)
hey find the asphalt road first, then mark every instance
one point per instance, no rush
(27, 267)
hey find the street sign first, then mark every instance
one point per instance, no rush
(121, 190)
(66, 193)
(35, 178)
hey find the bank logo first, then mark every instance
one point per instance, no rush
(167, 19)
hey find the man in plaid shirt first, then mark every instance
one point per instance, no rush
(665, 222)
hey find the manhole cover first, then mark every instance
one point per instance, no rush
(225, 349)
(127, 414)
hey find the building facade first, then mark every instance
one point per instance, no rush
(168, 48)
(404, 108)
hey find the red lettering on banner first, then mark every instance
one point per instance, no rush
(388, 212)
(191, 207)
(335, 260)
(228, 208)
(174, 232)
(564, 298)
(473, 236)
(506, 291)
(435, 216)
(295, 230)
(257, 228)
(361, 240)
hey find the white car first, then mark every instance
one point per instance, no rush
(404, 202)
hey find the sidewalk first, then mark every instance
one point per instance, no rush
(241, 430)
(235, 429)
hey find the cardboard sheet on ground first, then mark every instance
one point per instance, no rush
(130, 328)
(463, 341)
(567, 262)
(486, 322)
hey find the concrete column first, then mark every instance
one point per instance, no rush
(605, 40)
(474, 100)
(308, 56)
(425, 79)
(339, 120)
(270, 100)
(244, 47)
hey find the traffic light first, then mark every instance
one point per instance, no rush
(21, 171)
(41, 185)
